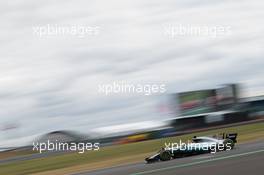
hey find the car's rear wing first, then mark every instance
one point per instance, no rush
(231, 136)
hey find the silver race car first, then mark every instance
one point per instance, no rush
(198, 145)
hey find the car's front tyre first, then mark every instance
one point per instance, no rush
(165, 156)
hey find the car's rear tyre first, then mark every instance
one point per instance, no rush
(229, 144)
(164, 156)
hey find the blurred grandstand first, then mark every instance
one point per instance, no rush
(199, 110)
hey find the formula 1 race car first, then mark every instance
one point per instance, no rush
(198, 145)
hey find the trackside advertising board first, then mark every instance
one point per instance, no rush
(197, 102)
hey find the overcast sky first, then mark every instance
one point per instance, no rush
(51, 82)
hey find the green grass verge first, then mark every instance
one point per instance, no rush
(246, 133)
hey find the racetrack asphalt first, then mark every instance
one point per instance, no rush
(245, 159)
